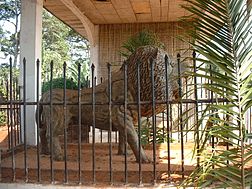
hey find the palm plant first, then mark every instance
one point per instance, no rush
(140, 39)
(84, 72)
(221, 33)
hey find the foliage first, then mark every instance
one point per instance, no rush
(147, 133)
(221, 35)
(9, 9)
(2, 118)
(79, 48)
(61, 44)
(9, 42)
(54, 45)
(142, 38)
(71, 79)
(4, 78)
(58, 83)
(84, 73)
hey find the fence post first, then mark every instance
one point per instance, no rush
(181, 117)
(196, 106)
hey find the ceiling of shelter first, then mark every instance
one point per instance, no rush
(114, 11)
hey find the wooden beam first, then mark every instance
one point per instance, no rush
(88, 25)
(88, 8)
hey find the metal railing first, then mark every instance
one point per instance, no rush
(81, 164)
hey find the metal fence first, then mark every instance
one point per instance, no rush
(90, 155)
(9, 112)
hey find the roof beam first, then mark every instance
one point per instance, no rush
(88, 25)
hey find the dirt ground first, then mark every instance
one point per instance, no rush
(83, 171)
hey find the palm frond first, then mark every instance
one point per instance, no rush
(142, 38)
(221, 34)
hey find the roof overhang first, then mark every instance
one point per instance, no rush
(82, 15)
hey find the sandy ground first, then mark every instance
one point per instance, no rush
(102, 168)
(89, 170)
(119, 172)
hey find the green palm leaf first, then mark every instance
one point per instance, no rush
(221, 35)
(142, 38)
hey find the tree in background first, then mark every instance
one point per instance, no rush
(9, 41)
(59, 42)
(62, 44)
(79, 53)
(54, 44)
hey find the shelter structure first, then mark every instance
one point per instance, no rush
(105, 23)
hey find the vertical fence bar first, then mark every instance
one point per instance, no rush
(201, 97)
(24, 122)
(180, 117)
(101, 129)
(163, 125)
(227, 116)
(139, 121)
(171, 120)
(196, 107)
(11, 125)
(125, 125)
(88, 82)
(153, 119)
(186, 118)
(250, 122)
(65, 125)
(167, 117)
(178, 129)
(110, 123)
(212, 101)
(38, 123)
(50, 123)
(8, 113)
(14, 112)
(79, 124)
(93, 116)
(20, 114)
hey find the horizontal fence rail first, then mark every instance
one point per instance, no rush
(78, 147)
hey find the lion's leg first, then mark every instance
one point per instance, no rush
(57, 129)
(57, 154)
(121, 146)
(132, 137)
(43, 140)
(56, 147)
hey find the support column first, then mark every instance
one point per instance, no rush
(94, 52)
(30, 49)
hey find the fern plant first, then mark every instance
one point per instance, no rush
(221, 35)
(140, 39)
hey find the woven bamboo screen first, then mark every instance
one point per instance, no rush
(112, 36)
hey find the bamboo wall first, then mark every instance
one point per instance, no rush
(112, 36)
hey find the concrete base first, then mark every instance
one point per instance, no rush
(40, 186)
